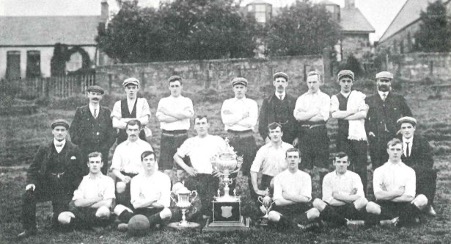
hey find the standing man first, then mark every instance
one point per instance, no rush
(126, 162)
(417, 153)
(92, 129)
(292, 196)
(312, 111)
(343, 197)
(92, 201)
(349, 108)
(385, 108)
(270, 160)
(200, 150)
(394, 186)
(239, 115)
(174, 113)
(131, 108)
(54, 174)
(278, 108)
(150, 194)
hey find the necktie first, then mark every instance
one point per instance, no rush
(58, 144)
(280, 97)
(407, 150)
(384, 96)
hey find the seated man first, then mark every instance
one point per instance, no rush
(394, 189)
(270, 160)
(126, 162)
(200, 150)
(150, 194)
(292, 195)
(54, 174)
(417, 153)
(93, 199)
(343, 196)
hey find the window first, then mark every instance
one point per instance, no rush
(13, 65)
(33, 64)
(260, 13)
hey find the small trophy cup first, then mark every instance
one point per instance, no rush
(183, 202)
(267, 203)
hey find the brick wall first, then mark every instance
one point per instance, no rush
(417, 66)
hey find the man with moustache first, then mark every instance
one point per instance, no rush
(239, 116)
(394, 186)
(126, 162)
(278, 108)
(385, 108)
(417, 153)
(131, 108)
(54, 174)
(174, 113)
(92, 128)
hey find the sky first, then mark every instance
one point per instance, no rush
(379, 13)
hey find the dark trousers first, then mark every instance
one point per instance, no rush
(264, 184)
(207, 187)
(152, 214)
(244, 146)
(426, 183)
(314, 147)
(357, 154)
(170, 141)
(292, 215)
(124, 197)
(406, 212)
(339, 214)
(86, 217)
(378, 149)
(44, 192)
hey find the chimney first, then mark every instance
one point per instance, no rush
(104, 11)
(349, 3)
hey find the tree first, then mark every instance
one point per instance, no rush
(302, 29)
(180, 30)
(434, 34)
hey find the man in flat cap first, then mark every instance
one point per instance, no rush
(239, 115)
(278, 107)
(174, 113)
(385, 108)
(312, 112)
(92, 128)
(54, 174)
(131, 108)
(350, 109)
(417, 153)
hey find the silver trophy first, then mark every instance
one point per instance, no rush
(183, 201)
(267, 203)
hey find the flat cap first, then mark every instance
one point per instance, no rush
(384, 75)
(129, 81)
(280, 74)
(175, 78)
(95, 89)
(407, 119)
(239, 81)
(60, 122)
(345, 73)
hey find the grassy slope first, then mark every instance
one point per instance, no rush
(21, 135)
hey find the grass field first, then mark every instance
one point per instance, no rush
(21, 135)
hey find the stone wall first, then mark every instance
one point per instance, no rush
(355, 44)
(215, 74)
(418, 66)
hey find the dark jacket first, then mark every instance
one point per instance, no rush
(283, 114)
(94, 134)
(382, 116)
(74, 167)
(420, 154)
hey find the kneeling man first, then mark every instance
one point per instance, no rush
(394, 189)
(343, 197)
(150, 194)
(93, 199)
(292, 196)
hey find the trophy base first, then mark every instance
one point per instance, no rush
(241, 225)
(262, 222)
(184, 226)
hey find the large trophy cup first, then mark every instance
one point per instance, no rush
(267, 203)
(227, 208)
(183, 202)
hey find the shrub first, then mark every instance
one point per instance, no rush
(8, 91)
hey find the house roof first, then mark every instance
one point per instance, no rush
(409, 13)
(352, 20)
(48, 30)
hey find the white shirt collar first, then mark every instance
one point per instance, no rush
(278, 95)
(410, 140)
(381, 94)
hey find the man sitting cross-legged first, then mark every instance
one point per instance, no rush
(292, 196)
(343, 197)
(150, 194)
(93, 199)
(394, 189)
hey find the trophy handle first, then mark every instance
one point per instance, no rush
(260, 199)
(194, 192)
(173, 199)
